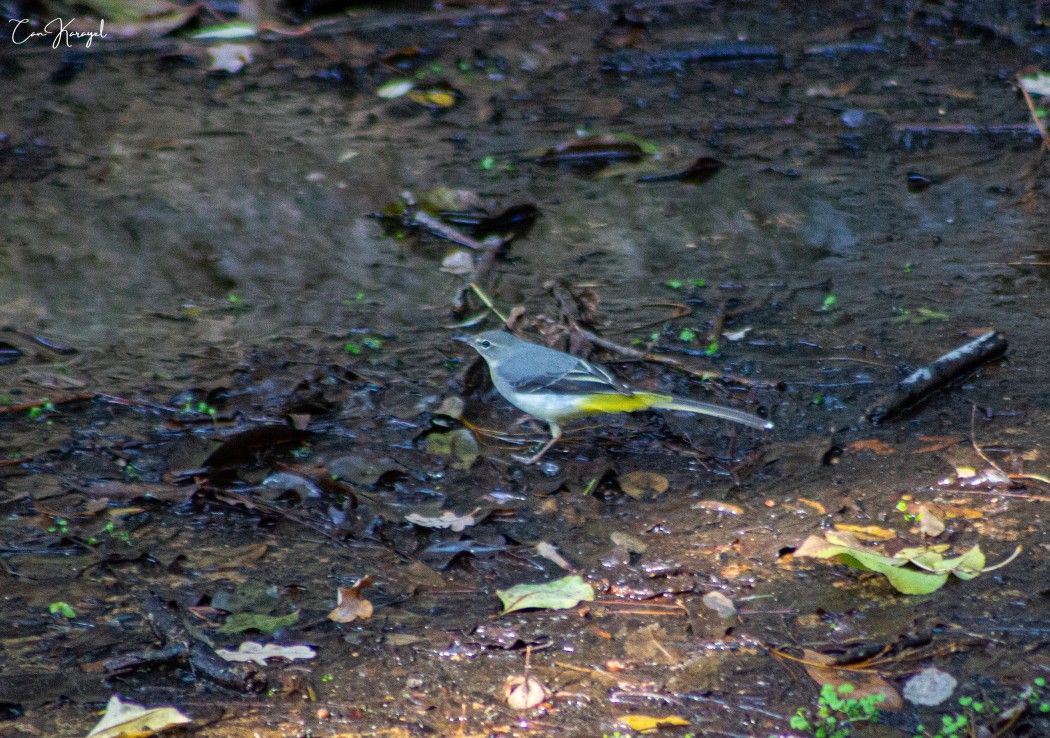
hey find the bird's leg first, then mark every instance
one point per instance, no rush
(555, 435)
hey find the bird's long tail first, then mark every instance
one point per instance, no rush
(669, 402)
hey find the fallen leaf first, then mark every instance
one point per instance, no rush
(259, 652)
(929, 524)
(549, 552)
(229, 58)
(633, 544)
(524, 692)
(1036, 84)
(937, 443)
(128, 719)
(395, 88)
(226, 32)
(719, 507)
(907, 581)
(435, 97)
(559, 594)
(351, 604)
(643, 485)
(459, 445)
(720, 604)
(243, 621)
(448, 519)
(458, 262)
(867, 532)
(821, 510)
(929, 559)
(880, 448)
(647, 723)
(864, 683)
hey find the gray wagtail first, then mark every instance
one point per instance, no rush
(557, 387)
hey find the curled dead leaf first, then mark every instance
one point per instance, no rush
(351, 604)
(524, 692)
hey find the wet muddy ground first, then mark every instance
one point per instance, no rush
(249, 382)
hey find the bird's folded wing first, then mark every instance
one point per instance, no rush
(582, 378)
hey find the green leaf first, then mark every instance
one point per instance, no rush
(1036, 84)
(226, 32)
(257, 621)
(61, 608)
(459, 445)
(906, 581)
(395, 88)
(560, 594)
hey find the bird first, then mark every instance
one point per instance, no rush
(558, 387)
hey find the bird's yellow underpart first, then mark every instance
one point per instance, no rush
(621, 403)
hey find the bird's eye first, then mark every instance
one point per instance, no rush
(486, 344)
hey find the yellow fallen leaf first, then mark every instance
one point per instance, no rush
(719, 507)
(867, 532)
(647, 723)
(814, 504)
(130, 720)
(643, 485)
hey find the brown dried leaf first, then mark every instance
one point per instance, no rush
(880, 448)
(820, 669)
(643, 485)
(524, 692)
(351, 604)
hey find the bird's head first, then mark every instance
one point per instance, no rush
(494, 346)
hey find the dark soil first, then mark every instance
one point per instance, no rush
(229, 383)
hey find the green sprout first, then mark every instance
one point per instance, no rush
(907, 268)
(699, 283)
(373, 343)
(837, 712)
(674, 284)
(234, 299)
(687, 336)
(352, 348)
(38, 411)
(61, 608)
(829, 302)
(712, 348)
(488, 163)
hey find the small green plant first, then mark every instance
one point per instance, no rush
(829, 302)
(61, 608)
(961, 724)
(902, 506)
(837, 713)
(119, 535)
(712, 348)
(61, 525)
(674, 284)
(39, 411)
(687, 336)
(488, 163)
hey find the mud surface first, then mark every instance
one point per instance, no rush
(205, 246)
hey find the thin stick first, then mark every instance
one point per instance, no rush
(704, 374)
(488, 302)
(1035, 116)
